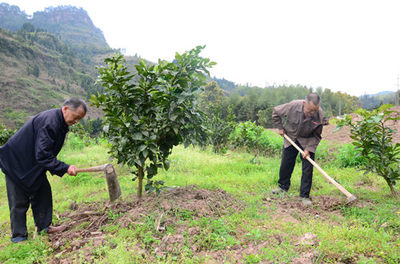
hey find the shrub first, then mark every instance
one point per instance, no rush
(349, 156)
(5, 134)
(374, 141)
(256, 139)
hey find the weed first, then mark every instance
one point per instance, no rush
(113, 215)
(214, 235)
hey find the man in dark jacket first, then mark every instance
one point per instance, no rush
(301, 121)
(27, 156)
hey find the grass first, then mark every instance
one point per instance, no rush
(259, 233)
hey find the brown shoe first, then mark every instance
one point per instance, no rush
(55, 229)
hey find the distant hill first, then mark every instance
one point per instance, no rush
(40, 69)
(72, 25)
(371, 101)
(384, 92)
(225, 85)
(37, 71)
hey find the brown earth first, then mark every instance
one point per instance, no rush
(175, 210)
(343, 135)
(87, 222)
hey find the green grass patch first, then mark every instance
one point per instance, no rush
(261, 231)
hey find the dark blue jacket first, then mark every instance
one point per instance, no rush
(33, 150)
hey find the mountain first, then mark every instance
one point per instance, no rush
(11, 17)
(40, 68)
(71, 24)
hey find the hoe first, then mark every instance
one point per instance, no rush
(114, 189)
(350, 197)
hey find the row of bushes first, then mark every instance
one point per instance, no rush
(262, 142)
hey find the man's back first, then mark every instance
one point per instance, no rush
(27, 154)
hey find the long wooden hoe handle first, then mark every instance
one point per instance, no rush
(114, 189)
(92, 169)
(350, 197)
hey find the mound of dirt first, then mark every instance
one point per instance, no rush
(87, 222)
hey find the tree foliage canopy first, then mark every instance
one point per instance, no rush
(149, 112)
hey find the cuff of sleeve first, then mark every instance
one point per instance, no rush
(62, 171)
(311, 149)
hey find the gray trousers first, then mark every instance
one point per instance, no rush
(19, 200)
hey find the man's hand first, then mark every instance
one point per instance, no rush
(281, 132)
(72, 170)
(305, 154)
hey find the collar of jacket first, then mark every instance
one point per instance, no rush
(300, 107)
(62, 120)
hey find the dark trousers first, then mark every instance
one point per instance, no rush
(19, 200)
(288, 162)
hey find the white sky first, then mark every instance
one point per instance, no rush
(344, 45)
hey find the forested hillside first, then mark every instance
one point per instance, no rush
(72, 25)
(38, 70)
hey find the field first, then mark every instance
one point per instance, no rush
(216, 209)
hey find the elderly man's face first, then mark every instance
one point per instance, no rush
(72, 116)
(310, 109)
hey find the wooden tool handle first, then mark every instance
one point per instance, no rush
(350, 197)
(92, 169)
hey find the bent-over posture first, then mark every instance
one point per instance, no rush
(301, 121)
(26, 157)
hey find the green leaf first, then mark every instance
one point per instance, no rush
(142, 147)
(137, 136)
(166, 164)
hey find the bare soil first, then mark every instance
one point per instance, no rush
(177, 208)
(343, 135)
(87, 222)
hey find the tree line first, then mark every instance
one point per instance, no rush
(256, 104)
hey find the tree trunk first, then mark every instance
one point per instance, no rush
(140, 185)
(392, 188)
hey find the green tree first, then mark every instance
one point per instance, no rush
(212, 95)
(374, 141)
(265, 117)
(218, 115)
(36, 71)
(248, 135)
(148, 113)
(28, 27)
